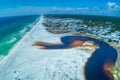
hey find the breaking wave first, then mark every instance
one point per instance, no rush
(10, 40)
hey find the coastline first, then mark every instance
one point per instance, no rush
(27, 61)
(2, 57)
(11, 52)
(13, 31)
(24, 55)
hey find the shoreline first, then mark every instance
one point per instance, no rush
(26, 61)
(11, 52)
(24, 57)
(13, 31)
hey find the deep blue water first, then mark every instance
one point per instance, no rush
(9, 25)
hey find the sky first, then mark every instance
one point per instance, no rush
(28, 7)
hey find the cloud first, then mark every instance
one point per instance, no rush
(112, 5)
(32, 10)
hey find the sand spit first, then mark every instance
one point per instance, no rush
(28, 62)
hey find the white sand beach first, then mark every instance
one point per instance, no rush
(28, 62)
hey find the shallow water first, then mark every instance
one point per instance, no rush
(12, 29)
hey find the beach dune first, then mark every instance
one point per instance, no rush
(28, 62)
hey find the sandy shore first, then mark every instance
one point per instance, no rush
(28, 62)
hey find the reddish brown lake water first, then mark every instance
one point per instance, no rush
(98, 66)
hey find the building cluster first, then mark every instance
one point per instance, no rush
(104, 32)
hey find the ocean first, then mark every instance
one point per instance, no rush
(12, 29)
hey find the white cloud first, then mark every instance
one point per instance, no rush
(70, 8)
(29, 10)
(112, 5)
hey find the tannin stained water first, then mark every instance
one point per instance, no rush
(98, 66)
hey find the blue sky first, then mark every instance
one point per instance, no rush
(24, 7)
(57, 3)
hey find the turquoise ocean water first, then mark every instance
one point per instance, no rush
(12, 29)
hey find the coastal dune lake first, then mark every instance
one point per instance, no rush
(98, 65)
